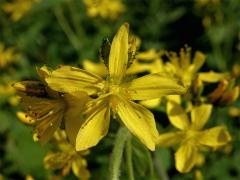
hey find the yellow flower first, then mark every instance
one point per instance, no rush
(107, 9)
(66, 158)
(116, 93)
(46, 109)
(6, 90)
(136, 67)
(191, 137)
(7, 56)
(182, 67)
(18, 8)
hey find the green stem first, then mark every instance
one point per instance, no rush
(67, 28)
(129, 158)
(150, 163)
(159, 167)
(117, 153)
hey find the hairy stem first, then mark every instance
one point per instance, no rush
(117, 153)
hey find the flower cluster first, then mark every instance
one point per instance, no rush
(82, 101)
(8, 58)
(107, 9)
(18, 8)
(67, 158)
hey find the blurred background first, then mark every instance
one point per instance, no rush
(54, 32)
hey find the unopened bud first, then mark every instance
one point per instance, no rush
(23, 117)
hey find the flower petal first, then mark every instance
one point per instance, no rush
(200, 115)
(174, 98)
(152, 103)
(154, 86)
(45, 129)
(198, 60)
(79, 168)
(214, 137)
(69, 80)
(185, 158)
(212, 77)
(149, 55)
(139, 120)
(72, 117)
(170, 139)
(97, 68)
(177, 115)
(118, 57)
(94, 128)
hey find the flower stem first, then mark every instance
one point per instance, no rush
(117, 153)
(151, 168)
(159, 167)
(129, 158)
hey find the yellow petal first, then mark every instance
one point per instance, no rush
(79, 168)
(152, 103)
(118, 57)
(94, 128)
(177, 115)
(96, 68)
(214, 137)
(212, 77)
(69, 80)
(43, 72)
(137, 67)
(139, 120)
(185, 158)
(174, 98)
(154, 86)
(198, 60)
(200, 115)
(170, 139)
(46, 128)
(149, 55)
(72, 117)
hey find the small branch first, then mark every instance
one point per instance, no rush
(75, 19)
(67, 28)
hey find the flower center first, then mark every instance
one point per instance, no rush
(192, 136)
(114, 89)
